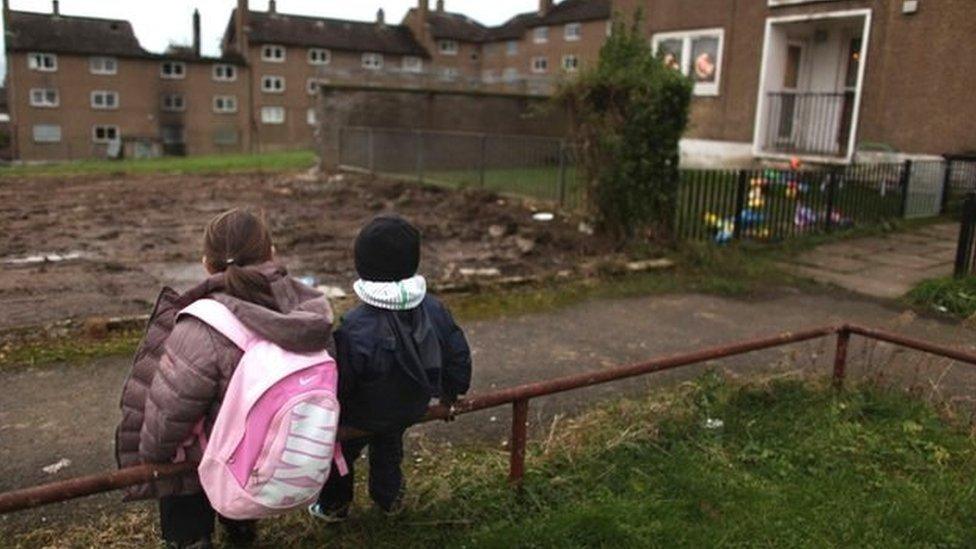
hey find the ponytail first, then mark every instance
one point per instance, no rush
(234, 243)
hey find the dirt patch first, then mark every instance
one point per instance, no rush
(83, 247)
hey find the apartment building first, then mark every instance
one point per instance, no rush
(82, 87)
(826, 80)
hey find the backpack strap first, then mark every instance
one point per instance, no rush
(217, 316)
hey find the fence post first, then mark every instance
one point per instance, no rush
(341, 131)
(372, 151)
(831, 199)
(483, 166)
(840, 357)
(562, 173)
(964, 250)
(420, 155)
(742, 189)
(946, 187)
(906, 180)
(520, 421)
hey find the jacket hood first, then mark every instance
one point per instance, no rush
(303, 321)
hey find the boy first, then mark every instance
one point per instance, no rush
(395, 351)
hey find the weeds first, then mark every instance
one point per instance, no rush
(956, 296)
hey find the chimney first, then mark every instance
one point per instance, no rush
(544, 6)
(381, 17)
(440, 6)
(241, 27)
(272, 6)
(56, 7)
(196, 33)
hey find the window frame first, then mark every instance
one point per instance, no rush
(311, 116)
(534, 64)
(311, 86)
(224, 98)
(167, 97)
(573, 37)
(272, 78)
(327, 53)
(223, 78)
(272, 48)
(105, 94)
(276, 108)
(374, 56)
(173, 75)
(105, 140)
(34, 138)
(576, 65)
(44, 104)
(453, 49)
(701, 89)
(102, 71)
(540, 35)
(512, 48)
(41, 67)
(510, 74)
(416, 68)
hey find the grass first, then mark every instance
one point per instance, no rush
(225, 163)
(784, 464)
(956, 296)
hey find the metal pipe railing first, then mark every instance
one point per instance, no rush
(518, 397)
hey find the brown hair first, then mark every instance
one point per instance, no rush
(233, 243)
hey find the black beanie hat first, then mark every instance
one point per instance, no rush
(387, 250)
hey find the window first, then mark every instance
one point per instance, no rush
(44, 97)
(413, 64)
(540, 64)
(224, 73)
(47, 133)
(273, 115)
(447, 47)
(225, 136)
(174, 102)
(372, 61)
(511, 48)
(273, 84)
(223, 104)
(488, 76)
(103, 65)
(450, 73)
(572, 32)
(173, 70)
(510, 75)
(695, 53)
(44, 62)
(570, 63)
(311, 117)
(104, 100)
(105, 134)
(318, 56)
(313, 86)
(273, 54)
(540, 35)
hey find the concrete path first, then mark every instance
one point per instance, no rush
(884, 266)
(69, 411)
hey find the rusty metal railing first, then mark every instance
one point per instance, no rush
(518, 397)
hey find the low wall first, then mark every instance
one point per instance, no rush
(428, 109)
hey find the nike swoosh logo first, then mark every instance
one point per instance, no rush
(306, 380)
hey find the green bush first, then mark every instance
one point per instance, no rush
(628, 114)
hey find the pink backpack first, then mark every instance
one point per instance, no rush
(274, 440)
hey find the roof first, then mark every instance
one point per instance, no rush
(28, 31)
(336, 34)
(567, 11)
(455, 26)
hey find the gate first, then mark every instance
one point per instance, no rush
(925, 183)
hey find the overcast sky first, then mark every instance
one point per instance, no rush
(159, 22)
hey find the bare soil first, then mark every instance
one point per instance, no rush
(112, 242)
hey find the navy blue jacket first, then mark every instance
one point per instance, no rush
(392, 363)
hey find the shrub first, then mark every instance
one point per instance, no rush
(628, 114)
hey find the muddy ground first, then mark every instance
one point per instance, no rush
(103, 246)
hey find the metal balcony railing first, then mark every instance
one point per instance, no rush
(808, 123)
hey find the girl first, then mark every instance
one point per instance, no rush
(183, 367)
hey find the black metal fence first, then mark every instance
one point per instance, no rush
(959, 182)
(966, 251)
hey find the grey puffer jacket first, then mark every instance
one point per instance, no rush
(182, 367)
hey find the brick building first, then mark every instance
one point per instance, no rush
(82, 87)
(826, 80)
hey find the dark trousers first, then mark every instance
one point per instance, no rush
(188, 519)
(385, 476)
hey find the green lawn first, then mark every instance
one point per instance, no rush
(225, 163)
(787, 464)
